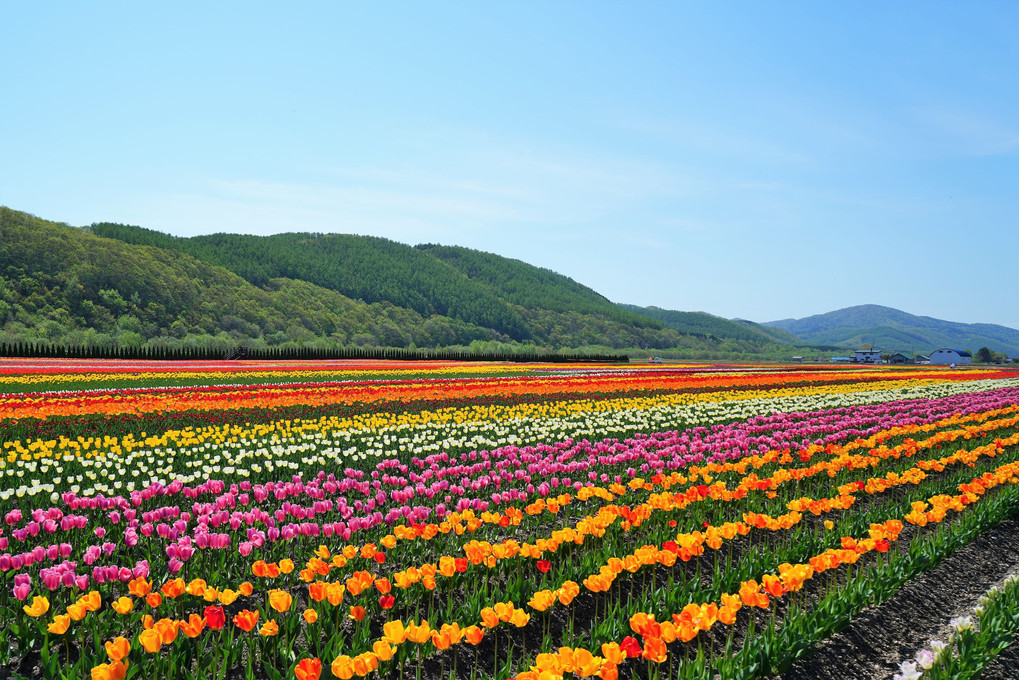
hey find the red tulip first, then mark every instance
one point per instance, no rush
(215, 617)
(631, 647)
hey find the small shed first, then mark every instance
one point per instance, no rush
(948, 356)
(902, 358)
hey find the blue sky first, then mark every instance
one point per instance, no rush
(760, 160)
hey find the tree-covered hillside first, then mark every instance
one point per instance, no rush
(533, 287)
(67, 285)
(365, 268)
(708, 325)
(64, 285)
(517, 301)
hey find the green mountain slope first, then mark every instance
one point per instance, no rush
(533, 287)
(704, 324)
(517, 301)
(361, 267)
(113, 284)
(65, 285)
(891, 329)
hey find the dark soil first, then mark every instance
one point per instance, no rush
(881, 637)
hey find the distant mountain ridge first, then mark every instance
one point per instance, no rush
(709, 325)
(886, 328)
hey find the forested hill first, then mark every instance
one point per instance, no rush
(365, 268)
(533, 287)
(518, 301)
(63, 285)
(113, 284)
(704, 324)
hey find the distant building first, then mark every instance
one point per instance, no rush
(841, 360)
(798, 359)
(902, 358)
(868, 356)
(951, 356)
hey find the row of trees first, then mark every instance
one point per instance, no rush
(44, 350)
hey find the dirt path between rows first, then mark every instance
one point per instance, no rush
(880, 638)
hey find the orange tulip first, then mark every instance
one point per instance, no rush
(150, 640)
(76, 611)
(334, 593)
(383, 650)
(246, 620)
(227, 596)
(317, 591)
(394, 632)
(61, 622)
(343, 667)
(520, 618)
(167, 629)
(92, 601)
(173, 589)
(612, 653)
(139, 587)
(489, 619)
(194, 626)
(115, 670)
(280, 600)
(357, 613)
(154, 599)
(655, 650)
(310, 615)
(542, 600)
(365, 663)
(441, 640)
(269, 629)
(473, 635)
(609, 671)
(419, 633)
(122, 605)
(118, 648)
(308, 669)
(773, 585)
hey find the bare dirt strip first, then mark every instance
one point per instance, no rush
(878, 639)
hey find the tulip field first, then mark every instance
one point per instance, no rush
(278, 520)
